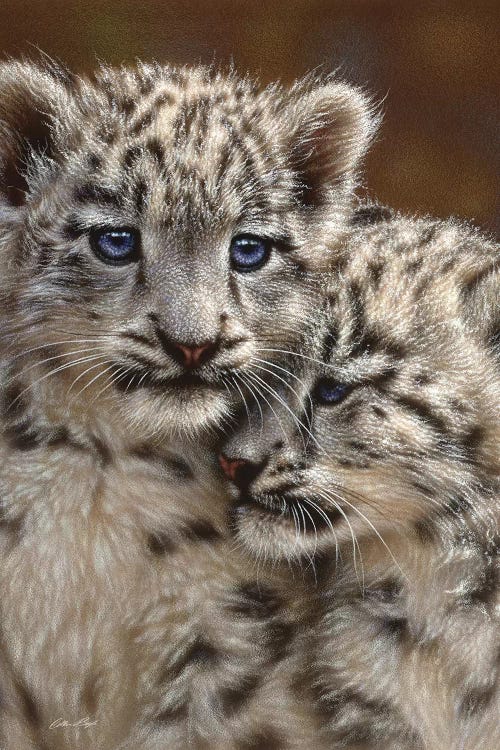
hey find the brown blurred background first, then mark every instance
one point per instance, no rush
(435, 63)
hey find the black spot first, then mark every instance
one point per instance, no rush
(107, 134)
(73, 229)
(201, 530)
(202, 653)
(414, 265)
(358, 445)
(484, 590)
(94, 162)
(395, 626)
(256, 600)
(476, 700)
(425, 412)
(366, 215)
(426, 530)
(61, 437)
(380, 379)
(23, 436)
(263, 739)
(379, 411)
(160, 544)
(73, 260)
(131, 155)
(90, 192)
(155, 148)
(90, 694)
(233, 697)
(448, 265)
(163, 99)
(375, 271)
(143, 122)
(140, 195)
(29, 707)
(429, 234)
(281, 635)
(457, 506)
(127, 105)
(473, 282)
(138, 337)
(422, 378)
(178, 467)
(146, 85)
(422, 286)
(102, 450)
(424, 489)
(472, 440)
(385, 591)
(329, 343)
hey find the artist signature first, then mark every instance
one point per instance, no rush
(84, 723)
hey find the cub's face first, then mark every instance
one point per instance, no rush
(164, 229)
(392, 427)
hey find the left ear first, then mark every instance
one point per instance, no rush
(34, 109)
(329, 127)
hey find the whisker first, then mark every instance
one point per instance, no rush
(53, 372)
(296, 420)
(248, 384)
(370, 524)
(254, 377)
(355, 543)
(291, 374)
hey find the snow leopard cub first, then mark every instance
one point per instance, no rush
(386, 479)
(166, 225)
(158, 227)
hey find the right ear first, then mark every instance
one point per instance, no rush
(34, 105)
(329, 126)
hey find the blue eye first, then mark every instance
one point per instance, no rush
(330, 391)
(248, 252)
(115, 246)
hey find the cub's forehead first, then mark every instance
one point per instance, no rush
(192, 108)
(203, 138)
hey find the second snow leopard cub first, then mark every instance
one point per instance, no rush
(390, 485)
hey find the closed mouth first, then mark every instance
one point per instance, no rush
(299, 510)
(139, 378)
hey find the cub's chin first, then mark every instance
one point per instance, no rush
(271, 534)
(176, 413)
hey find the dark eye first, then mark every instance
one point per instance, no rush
(248, 252)
(330, 391)
(115, 246)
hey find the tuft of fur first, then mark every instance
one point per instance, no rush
(391, 488)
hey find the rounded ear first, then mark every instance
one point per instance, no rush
(34, 101)
(330, 126)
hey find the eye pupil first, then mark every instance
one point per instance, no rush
(331, 392)
(249, 252)
(115, 246)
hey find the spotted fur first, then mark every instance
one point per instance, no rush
(121, 596)
(187, 159)
(391, 489)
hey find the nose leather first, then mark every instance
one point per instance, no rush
(230, 466)
(195, 355)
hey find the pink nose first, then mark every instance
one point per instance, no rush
(230, 467)
(194, 356)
